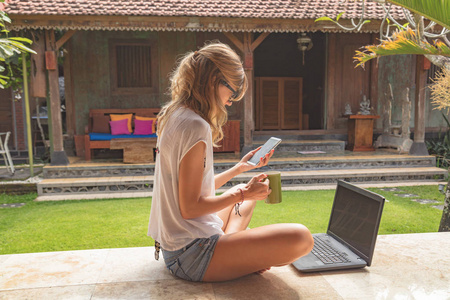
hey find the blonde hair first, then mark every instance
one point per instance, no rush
(195, 83)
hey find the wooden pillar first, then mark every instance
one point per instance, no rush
(37, 76)
(418, 147)
(331, 81)
(58, 155)
(248, 100)
(247, 47)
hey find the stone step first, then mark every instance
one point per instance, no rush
(314, 177)
(307, 145)
(98, 170)
(95, 185)
(299, 135)
(135, 184)
(291, 163)
(339, 162)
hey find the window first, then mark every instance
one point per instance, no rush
(133, 67)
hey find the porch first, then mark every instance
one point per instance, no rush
(412, 266)
(303, 164)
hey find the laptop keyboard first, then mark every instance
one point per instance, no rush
(326, 253)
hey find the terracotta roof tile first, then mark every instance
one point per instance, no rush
(286, 9)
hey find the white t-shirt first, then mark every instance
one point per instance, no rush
(183, 130)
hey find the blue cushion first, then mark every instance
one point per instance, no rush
(108, 136)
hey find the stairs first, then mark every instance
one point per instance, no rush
(113, 180)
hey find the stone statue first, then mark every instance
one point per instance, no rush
(348, 109)
(364, 106)
(387, 110)
(406, 115)
(402, 142)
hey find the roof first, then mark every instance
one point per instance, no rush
(192, 15)
(285, 9)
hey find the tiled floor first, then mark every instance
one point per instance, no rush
(409, 266)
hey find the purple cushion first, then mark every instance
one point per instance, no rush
(119, 127)
(142, 127)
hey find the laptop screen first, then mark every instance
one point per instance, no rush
(355, 219)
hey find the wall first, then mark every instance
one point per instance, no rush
(400, 71)
(90, 72)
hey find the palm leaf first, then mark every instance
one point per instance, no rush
(21, 39)
(434, 10)
(403, 42)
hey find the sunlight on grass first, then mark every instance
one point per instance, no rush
(117, 223)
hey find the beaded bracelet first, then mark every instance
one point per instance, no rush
(242, 196)
(237, 205)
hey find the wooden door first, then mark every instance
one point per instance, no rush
(279, 103)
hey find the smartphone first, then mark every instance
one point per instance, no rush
(266, 148)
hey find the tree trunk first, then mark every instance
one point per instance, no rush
(440, 61)
(445, 220)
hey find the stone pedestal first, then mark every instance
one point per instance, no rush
(403, 145)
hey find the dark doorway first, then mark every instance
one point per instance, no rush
(279, 57)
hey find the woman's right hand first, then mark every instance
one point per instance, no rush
(257, 188)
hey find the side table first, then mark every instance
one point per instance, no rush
(360, 132)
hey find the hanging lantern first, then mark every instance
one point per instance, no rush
(304, 44)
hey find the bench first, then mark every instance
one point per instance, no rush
(135, 147)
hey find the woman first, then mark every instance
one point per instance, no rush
(203, 237)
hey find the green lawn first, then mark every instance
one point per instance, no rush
(94, 224)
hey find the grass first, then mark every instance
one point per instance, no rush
(117, 223)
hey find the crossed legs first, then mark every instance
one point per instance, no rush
(240, 252)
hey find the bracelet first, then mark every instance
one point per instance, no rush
(242, 196)
(237, 205)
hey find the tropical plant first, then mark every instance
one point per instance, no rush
(10, 48)
(440, 90)
(395, 41)
(440, 147)
(436, 10)
(402, 42)
(413, 40)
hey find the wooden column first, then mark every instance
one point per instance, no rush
(247, 47)
(331, 81)
(38, 74)
(248, 101)
(418, 147)
(58, 155)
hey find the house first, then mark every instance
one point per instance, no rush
(301, 72)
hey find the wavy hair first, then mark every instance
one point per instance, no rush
(195, 83)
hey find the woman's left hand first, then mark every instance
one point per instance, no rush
(245, 166)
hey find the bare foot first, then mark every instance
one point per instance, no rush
(262, 271)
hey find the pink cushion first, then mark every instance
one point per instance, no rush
(142, 127)
(119, 127)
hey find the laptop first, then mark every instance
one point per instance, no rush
(351, 234)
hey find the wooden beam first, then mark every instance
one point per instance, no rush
(259, 40)
(419, 120)
(38, 76)
(331, 81)
(58, 156)
(248, 98)
(234, 40)
(373, 80)
(64, 38)
(418, 147)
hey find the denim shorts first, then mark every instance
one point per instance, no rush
(192, 261)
